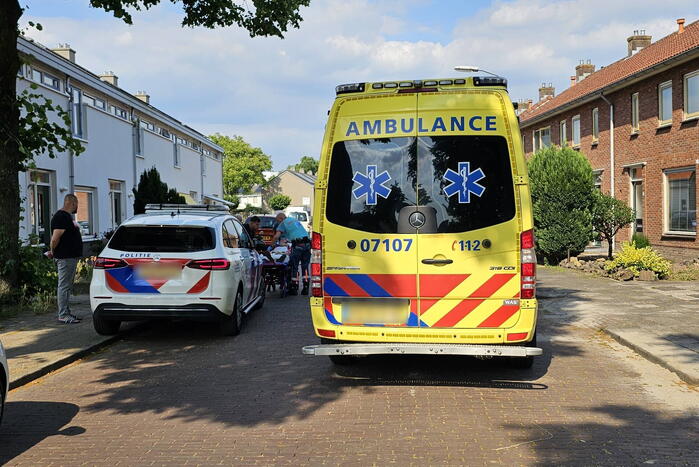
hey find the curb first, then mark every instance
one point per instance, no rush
(80, 354)
(650, 356)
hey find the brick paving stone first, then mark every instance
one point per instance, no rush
(176, 394)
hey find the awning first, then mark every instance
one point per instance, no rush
(188, 198)
(219, 200)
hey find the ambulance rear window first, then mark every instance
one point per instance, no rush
(162, 239)
(461, 183)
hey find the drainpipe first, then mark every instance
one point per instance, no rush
(135, 136)
(611, 154)
(71, 156)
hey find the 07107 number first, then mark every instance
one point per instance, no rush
(387, 244)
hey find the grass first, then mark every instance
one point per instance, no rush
(689, 273)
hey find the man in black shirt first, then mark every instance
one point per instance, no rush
(66, 249)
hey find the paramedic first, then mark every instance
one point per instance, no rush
(292, 230)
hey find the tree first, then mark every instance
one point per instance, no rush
(279, 202)
(233, 199)
(153, 190)
(259, 17)
(609, 215)
(562, 188)
(307, 164)
(242, 164)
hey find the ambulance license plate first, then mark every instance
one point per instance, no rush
(384, 311)
(155, 271)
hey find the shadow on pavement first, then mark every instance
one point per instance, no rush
(26, 424)
(613, 435)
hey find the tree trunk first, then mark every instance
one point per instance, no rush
(609, 251)
(10, 157)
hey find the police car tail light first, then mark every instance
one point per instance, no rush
(109, 263)
(217, 264)
(528, 263)
(316, 265)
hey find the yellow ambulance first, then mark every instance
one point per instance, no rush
(423, 237)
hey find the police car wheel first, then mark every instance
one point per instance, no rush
(105, 327)
(342, 360)
(230, 325)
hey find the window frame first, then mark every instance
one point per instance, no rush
(666, 202)
(576, 118)
(685, 80)
(635, 114)
(538, 138)
(76, 112)
(661, 87)
(122, 203)
(595, 125)
(92, 209)
(119, 112)
(563, 133)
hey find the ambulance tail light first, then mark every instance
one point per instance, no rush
(528, 263)
(316, 265)
(109, 263)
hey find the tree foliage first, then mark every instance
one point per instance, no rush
(242, 164)
(562, 188)
(279, 202)
(151, 189)
(609, 215)
(307, 164)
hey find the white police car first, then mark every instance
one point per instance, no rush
(177, 261)
(4, 379)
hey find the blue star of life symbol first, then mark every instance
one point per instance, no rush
(464, 182)
(371, 185)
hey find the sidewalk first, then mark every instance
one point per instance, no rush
(38, 344)
(659, 320)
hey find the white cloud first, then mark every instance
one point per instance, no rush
(275, 93)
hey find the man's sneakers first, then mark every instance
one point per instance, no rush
(69, 319)
(304, 291)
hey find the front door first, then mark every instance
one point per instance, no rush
(468, 248)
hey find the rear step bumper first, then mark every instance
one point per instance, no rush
(476, 350)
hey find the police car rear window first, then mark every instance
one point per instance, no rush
(162, 239)
(460, 183)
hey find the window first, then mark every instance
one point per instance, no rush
(76, 111)
(245, 240)
(230, 235)
(597, 174)
(681, 201)
(85, 217)
(138, 139)
(207, 152)
(196, 147)
(176, 155)
(665, 103)
(165, 133)
(39, 193)
(147, 125)
(417, 167)
(542, 138)
(95, 102)
(637, 197)
(116, 201)
(691, 95)
(595, 125)
(162, 239)
(634, 113)
(119, 112)
(576, 131)
(563, 133)
(46, 79)
(181, 141)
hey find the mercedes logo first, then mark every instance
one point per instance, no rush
(417, 219)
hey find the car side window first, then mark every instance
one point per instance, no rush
(230, 235)
(245, 240)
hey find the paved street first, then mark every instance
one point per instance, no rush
(177, 394)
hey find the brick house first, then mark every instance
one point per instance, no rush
(637, 122)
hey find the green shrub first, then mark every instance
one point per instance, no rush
(639, 259)
(279, 202)
(37, 273)
(640, 240)
(562, 188)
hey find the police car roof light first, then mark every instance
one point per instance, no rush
(348, 88)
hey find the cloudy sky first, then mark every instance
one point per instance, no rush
(275, 93)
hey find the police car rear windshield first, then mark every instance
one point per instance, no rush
(299, 216)
(461, 183)
(163, 239)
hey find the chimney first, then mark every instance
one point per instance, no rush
(143, 96)
(572, 81)
(680, 25)
(583, 70)
(110, 77)
(65, 51)
(546, 90)
(638, 41)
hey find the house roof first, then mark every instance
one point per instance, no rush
(663, 50)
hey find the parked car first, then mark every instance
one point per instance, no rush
(268, 225)
(177, 261)
(4, 380)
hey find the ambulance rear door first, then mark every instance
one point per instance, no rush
(468, 243)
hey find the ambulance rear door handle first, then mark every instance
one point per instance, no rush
(437, 261)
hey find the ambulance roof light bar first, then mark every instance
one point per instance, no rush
(494, 80)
